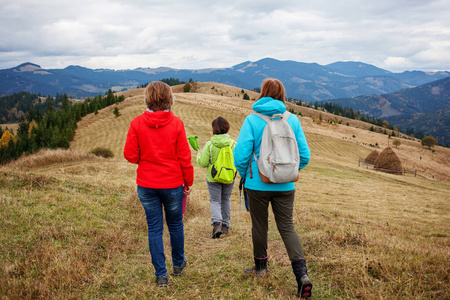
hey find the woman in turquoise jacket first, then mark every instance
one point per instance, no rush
(280, 195)
(219, 193)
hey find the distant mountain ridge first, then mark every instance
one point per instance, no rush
(427, 98)
(425, 108)
(306, 81)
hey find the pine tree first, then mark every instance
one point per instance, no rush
(116, 112)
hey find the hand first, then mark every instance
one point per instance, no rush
(187, 190)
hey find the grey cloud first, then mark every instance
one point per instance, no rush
(199, 34)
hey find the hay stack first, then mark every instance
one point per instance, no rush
(388, 162)
(372, 157)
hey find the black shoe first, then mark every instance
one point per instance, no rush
(177, 271)
(301, 276)
(217, 230)
(224, 229)
(256, 272)
(260, 268)
(162, 281)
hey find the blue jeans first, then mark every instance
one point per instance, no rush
(153, 201)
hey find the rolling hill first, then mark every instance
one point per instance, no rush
(306, 81)
(424, 108)
(73, 227)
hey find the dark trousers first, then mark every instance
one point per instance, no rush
(282, 207)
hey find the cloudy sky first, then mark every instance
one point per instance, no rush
(396, 35)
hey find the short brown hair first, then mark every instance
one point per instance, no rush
(220, 126)
(158, 96)
(273, 88)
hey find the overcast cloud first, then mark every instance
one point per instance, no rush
(395, 35)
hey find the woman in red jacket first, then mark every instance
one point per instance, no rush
(156, 141)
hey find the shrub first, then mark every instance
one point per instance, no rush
(396, 143)
(103, 152)
(116, 112)
(186, 87)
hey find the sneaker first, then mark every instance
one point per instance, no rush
(177, 271)
(224, 229)
(162, 281)
(217, 230)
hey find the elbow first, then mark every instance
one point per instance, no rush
(134, 159)
(304, 161)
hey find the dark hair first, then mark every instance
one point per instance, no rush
(220, 126)
(158, 96)
(273, 88)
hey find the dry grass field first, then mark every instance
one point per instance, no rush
(73, 228)
(10, 126)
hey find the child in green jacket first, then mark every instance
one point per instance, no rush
(219, 193)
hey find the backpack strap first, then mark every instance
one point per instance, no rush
(210, 151)
(266, 118)
(210, 154)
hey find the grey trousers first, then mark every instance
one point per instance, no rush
(219, 199)
(282, 207)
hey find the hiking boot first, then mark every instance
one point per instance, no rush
(301, 276)
(177, 271)
(260, 268)
(217, 230)
(162, 281)
(224, 229)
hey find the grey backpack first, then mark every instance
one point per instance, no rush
(278, 156)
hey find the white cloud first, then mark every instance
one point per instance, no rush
(122, 34)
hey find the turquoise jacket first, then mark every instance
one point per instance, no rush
(250, 140)
(217, 141)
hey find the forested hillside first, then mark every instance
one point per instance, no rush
(435, 123)
(54, 129)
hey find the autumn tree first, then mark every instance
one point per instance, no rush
(396, 143)
(6, 137)
(429, 141)
(186, 87)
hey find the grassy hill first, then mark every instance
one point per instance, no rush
(72, 226)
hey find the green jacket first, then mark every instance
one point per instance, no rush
(217, 141)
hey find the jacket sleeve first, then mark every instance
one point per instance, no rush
(131, 149)
(203, 156)
(303, 148)
(243, 149)
(184, 156)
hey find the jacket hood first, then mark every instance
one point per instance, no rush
(220, 140)
(269, 106)
(158, 118)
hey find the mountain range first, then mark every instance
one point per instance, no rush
(307, 81)
(425, 108)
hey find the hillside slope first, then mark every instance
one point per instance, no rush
(95, 131)
(73, 227)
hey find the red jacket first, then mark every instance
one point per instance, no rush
(156, 141)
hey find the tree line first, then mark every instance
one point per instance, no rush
(348, 112)
(170, 81)
(53, 128)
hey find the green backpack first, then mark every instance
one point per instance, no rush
(223, 169)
